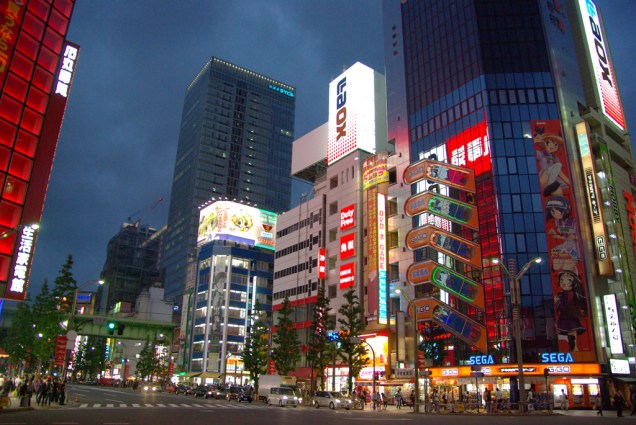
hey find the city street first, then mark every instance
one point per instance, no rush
(97, 405)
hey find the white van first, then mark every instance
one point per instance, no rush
(282, 396)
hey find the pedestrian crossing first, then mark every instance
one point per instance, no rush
(206, 406)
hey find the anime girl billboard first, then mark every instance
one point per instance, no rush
(572, 319)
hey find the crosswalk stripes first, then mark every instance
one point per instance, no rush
(208, 406)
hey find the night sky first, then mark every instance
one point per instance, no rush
(118, 142)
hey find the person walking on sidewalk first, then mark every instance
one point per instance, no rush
(633, 399)
(619, 401)
(598, 405)
(398, 398)
(565, 402)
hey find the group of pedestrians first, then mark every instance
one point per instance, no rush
(46, 390)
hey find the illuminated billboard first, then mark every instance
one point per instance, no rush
(573, 321)
(226, 220)
(603, 69)
(375, 170)
(351, 122)
(471, 149)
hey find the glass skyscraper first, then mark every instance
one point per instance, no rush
(523, 93)
(235, 143)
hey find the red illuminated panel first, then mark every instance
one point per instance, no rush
(471, 149)
(347, 276)
(322, 263)
(347, 246)
(347, 217)
(11, 13)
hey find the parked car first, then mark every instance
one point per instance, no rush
(232, 393)
(220, 393)
(282, 396)
(183, 389)
(332, 400)
(201, 391)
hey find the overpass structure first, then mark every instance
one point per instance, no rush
(122, 328)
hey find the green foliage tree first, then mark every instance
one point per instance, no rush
(286, 351)
(352, 352)
(90, 358)
(148, 365)
(255, 352)
(320, 349)
(20, 337)
(46, 319)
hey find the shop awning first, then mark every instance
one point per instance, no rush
(209, 375)
(192, 374)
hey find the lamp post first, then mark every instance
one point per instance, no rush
(71, 334)
(416, 369)
(360, 340)
(515, 298)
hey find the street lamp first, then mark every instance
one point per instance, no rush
(416, 402)
(515, 299)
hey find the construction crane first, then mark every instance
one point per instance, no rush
(140, 214)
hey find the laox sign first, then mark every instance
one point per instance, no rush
(347, 217)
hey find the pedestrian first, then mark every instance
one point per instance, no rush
(633, 399)
(598, 405)
(398, 398)
(565, 402)
(376, 400)
(498, 399)
(619, 402)
(488, 400)
(385, 402)
(412, 398)
(22, 393)
(62, 392)
(30, 390)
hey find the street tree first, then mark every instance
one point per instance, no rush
(18, 343)
(352, 325)
(320, 349)
(286, 351)
(47, 321)
(148, 364)
(255, 352)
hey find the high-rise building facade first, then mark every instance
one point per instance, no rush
(132, 265)
(36, 71)
(524, 94)
(235, 143)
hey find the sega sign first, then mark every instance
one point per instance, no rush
(556, 358)
(480, 360)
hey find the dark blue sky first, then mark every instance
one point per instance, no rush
(118, 141)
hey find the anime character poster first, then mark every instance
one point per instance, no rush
(571, 304)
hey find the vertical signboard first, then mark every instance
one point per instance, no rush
(594, 201)
(322, 263)
(372, 250)
(603, 68)
(613, 324)
(382, 284)
(351, 122)
(573, 323)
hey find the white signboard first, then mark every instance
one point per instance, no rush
(613, 324)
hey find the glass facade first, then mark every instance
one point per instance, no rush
(469, 63)
(235, 143)
(231, 279)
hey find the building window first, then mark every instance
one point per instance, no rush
(332, 262)
(333, 183)
(333, 208)
(333, 234)
(332, 291)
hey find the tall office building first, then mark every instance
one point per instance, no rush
(523, 93)
(235, 143)
(36, 71)
(132, 265)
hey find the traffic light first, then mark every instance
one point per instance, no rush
(111, 328)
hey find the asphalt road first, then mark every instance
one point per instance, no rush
(114, 406)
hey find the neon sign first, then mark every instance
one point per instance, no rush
(556, 358)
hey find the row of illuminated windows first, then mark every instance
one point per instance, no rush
(307, 290)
